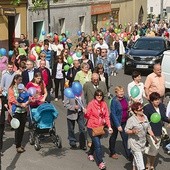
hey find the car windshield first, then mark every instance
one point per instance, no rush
(143, 44)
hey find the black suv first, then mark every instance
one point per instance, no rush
(145, 52)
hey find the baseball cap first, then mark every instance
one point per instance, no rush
(21, 87)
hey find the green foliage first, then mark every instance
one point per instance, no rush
(15, 2)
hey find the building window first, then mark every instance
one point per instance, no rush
(17, 26)
(82, 23)
(151, 9)
(62, 25)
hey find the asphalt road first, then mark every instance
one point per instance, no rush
(52, 158)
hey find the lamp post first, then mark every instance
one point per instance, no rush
(48, 9)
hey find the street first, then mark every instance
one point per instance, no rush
(52, 158)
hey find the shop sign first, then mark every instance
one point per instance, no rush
(100, 9)
(9, 11)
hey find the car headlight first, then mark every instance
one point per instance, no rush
(130, 57)
(156, 58)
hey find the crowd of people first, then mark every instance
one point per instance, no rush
(56, 63)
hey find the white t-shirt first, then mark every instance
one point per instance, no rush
(141, 88)
(59, 74)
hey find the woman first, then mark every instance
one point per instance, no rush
(137, 127)
(20, 113)
(22, 67)
(155, 105)
(59, 76)
(64, 54)
(84, 74)
(102, 76)
(43, 57)
(118, 117)
(41, 91)
(97, 115)
(3, 106)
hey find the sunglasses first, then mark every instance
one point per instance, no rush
(99, 95)
(140, 109)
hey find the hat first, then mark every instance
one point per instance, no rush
(21, 87)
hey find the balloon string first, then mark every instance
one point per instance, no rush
(79, 102)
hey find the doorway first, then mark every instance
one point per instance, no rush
(11, 31)
(37, 29)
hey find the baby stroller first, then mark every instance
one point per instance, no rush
(43, 125)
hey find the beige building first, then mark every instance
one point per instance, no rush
(13, 22)
(120, 11)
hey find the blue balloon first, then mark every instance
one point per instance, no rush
(64, 39)
(10, 53)
(77, 88)
(32, 91)
(104, 29)
(118, 66)
(78, 33)
(69, 93)
(3, 52)
(43, 32)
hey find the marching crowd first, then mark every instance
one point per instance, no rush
(55, 63)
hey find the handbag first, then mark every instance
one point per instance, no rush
(98, 131)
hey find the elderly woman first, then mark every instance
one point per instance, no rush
(20, 113)
(137, 127)
(119, 114)
(155, 105)
(97, 115)
(84, 75)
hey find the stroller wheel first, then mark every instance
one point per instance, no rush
(31, 138)
(37, 144)
(58, 141)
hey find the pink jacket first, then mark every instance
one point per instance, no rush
(97, 114)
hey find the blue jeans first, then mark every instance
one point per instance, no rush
(113, 137)
(71, 133)
(96, 147)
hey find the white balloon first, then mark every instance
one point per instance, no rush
(15, 123)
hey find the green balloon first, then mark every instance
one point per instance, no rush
(155, 118)
(93, 39)
(134, 91)
(66, 67)
(116, 30)
(110, 101)
(78, 54)
(60, 38)
(69, 60)
(38, 49)
(67, 33)
(107, 23)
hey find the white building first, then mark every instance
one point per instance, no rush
(154, 6)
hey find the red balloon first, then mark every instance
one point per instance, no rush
(32, 57)
(56, 38)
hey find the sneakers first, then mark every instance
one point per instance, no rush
(102, 165)
(90, 157)
(20, 150)
(56, 99)
(114, 156)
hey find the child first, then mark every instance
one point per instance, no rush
(22, 98)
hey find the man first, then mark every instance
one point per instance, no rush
(75, 114)
(46, 77)
(92, 55)
(101, 44)
(28, 74)
(7, 77)
(73, 71)
(105, 61)
(90, 87)
(155, 82)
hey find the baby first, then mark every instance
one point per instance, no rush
(22, 98)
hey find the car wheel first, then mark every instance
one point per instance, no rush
(126, 70)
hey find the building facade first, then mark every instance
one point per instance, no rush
(83, 15)
(13, 22)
